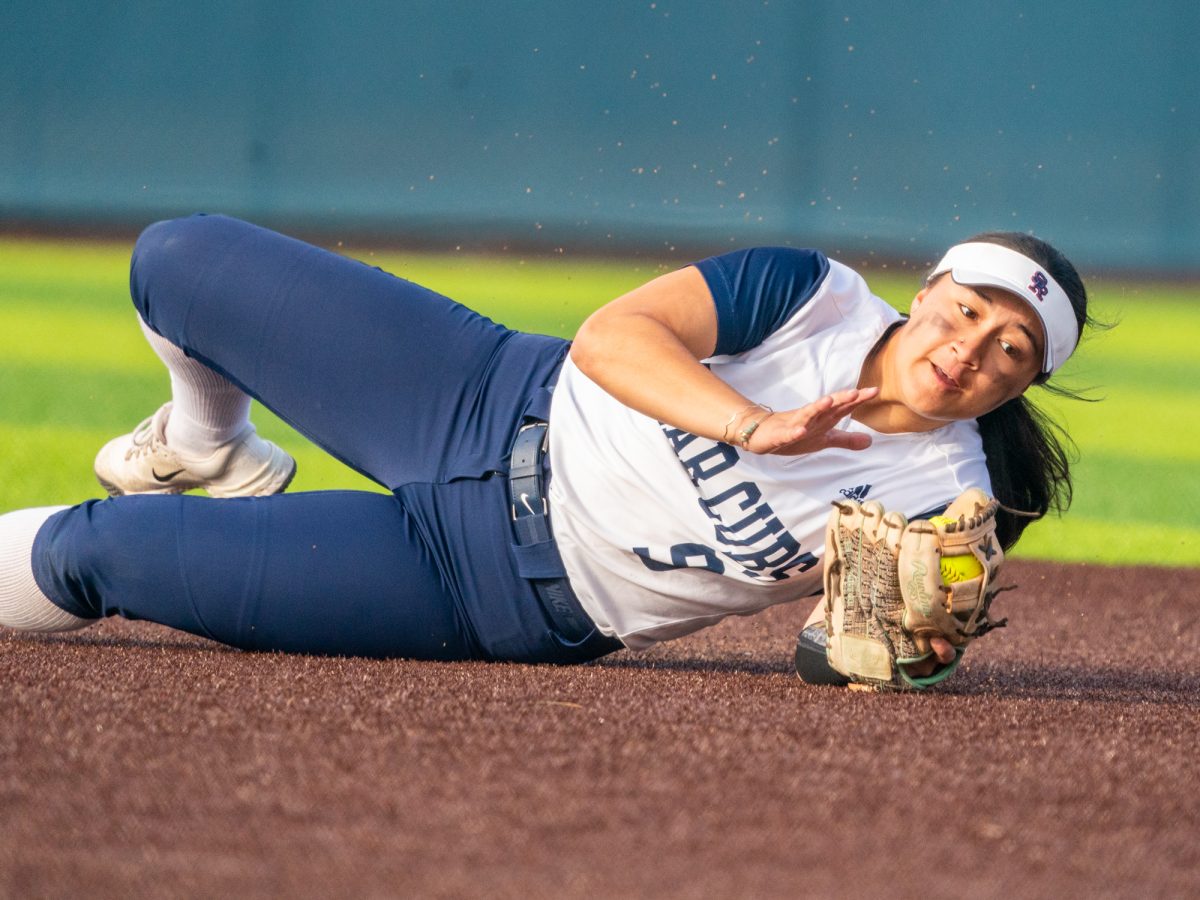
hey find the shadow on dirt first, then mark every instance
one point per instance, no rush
(982, 679)
(1077, 683)
(746, 664)
(159, 640)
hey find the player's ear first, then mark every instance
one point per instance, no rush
(918, 299)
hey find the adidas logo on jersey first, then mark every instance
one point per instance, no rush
(856, 493)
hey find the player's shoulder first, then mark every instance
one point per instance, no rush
(752, 268)
(844, 299)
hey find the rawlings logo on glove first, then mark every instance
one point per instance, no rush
(885, 596)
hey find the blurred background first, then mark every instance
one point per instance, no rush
(856, 126)
(535, 159)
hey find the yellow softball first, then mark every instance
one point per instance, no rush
(959, 568)
(956, 568)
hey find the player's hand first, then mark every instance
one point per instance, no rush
(810, 428)
(943, 654)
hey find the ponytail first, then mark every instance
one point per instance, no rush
(1029, 461)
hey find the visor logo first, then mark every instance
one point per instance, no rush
(1039, 285)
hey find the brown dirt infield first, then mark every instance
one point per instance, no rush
(136, 761)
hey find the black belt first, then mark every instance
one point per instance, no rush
(538, 556)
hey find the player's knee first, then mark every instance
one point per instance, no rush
(164, 252)
(62, 553)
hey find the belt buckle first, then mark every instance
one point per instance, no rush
(532, 512)
(524, 497)
(536, 423)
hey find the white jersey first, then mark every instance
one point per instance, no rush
(662, 532)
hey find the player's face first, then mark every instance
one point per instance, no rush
(966, 350)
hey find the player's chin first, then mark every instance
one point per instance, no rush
(942, 413)
(936, 403)
(933, 404)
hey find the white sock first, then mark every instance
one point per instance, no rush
(207, 410)
(22, 603)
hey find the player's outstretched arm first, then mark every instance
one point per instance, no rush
(645, 348)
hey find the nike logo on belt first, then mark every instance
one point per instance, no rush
(163, 479)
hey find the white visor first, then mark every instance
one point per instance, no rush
(985, 264)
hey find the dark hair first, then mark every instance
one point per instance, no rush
(1028, 454)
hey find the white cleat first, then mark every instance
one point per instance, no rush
(142, 463)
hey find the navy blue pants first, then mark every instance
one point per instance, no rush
(402, 384)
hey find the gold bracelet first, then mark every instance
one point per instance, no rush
(734, 417)
(748, 432)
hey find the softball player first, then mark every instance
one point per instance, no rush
(698, 429)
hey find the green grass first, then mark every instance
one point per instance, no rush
(74, 371)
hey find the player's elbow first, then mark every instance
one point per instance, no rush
(593, 343)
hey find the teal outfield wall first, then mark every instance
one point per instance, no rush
(855, 126)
